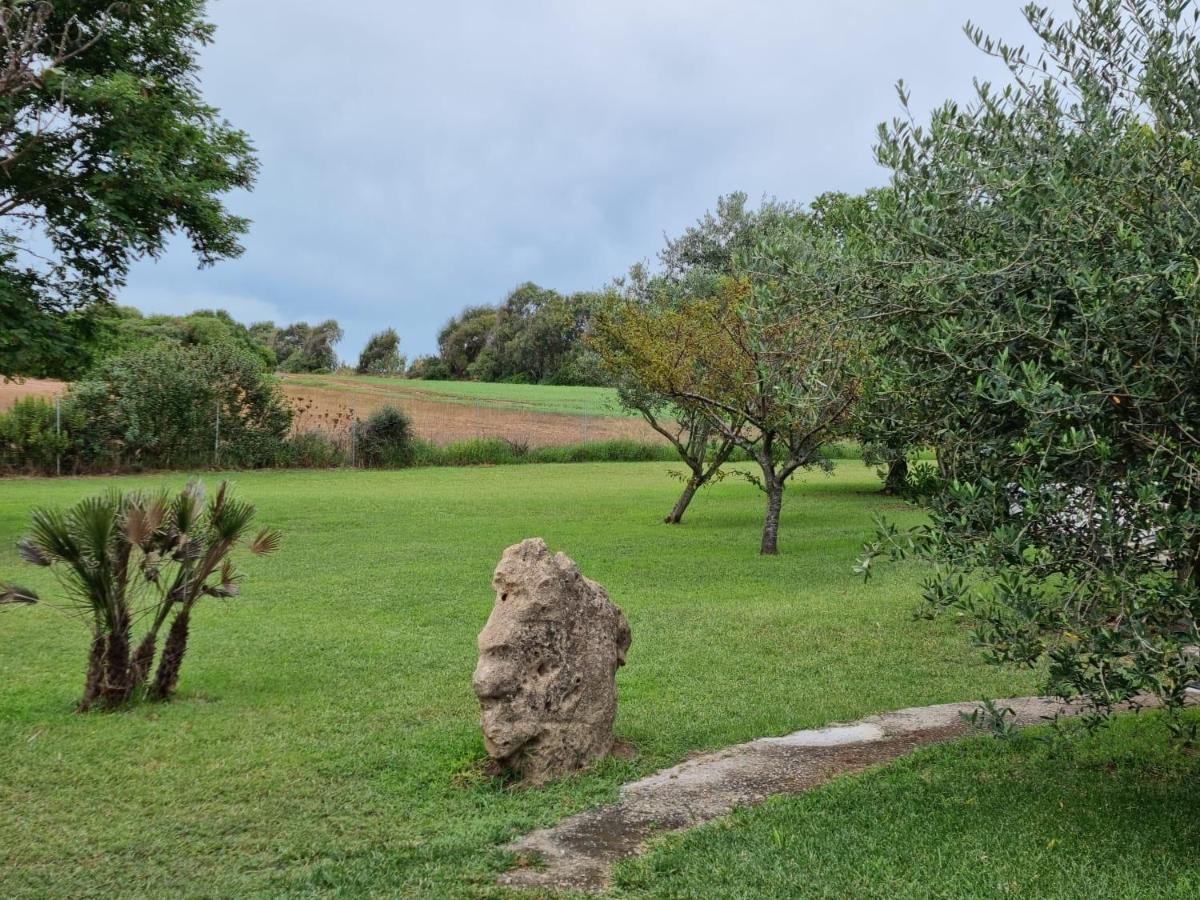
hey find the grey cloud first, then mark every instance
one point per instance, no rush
(421, 157)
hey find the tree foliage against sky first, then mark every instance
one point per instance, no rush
(1035, 266)
(381, 356)
(106, 149)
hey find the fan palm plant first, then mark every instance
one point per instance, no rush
(122, 557)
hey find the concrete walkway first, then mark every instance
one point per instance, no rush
(579, 852)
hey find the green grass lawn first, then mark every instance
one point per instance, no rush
(325, 739)
(1111, 815)
(569, 399)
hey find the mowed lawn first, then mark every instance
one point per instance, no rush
(325, 739)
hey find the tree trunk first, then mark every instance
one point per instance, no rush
(143, 659)
(115, 684)
(770, 535)
(897, 475)
(681, 505)
(95, 673)
(172, 656)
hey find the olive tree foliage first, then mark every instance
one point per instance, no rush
(381, 355)
(627, 341)
(643, 305)
(767, 352)
(106, 149)
(1037, 272)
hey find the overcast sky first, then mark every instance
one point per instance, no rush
(421, 157)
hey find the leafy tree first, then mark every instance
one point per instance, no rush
(1035, 268)
(430, 368)
(125, 328)
(629, 346)
(382, 356)
(463, 338)
(759, 338)
(123, 558)
(107, 148)
(631, 366)
(301, 347)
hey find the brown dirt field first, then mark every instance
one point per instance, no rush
(326, 409)
(12, 391)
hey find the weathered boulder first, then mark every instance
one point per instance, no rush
(548, 658)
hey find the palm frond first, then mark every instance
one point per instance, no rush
(14, 594)
(231, 519)
(50, 534)
(228, 585)
(266, 541)
(93, 522)
(31, 552)
(190, 549)
(185, 509)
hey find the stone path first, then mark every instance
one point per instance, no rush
(580, 851)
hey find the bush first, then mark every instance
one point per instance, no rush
(29, 441)
(311, 450)
(385, 439)
(157, 407)
(429, 368)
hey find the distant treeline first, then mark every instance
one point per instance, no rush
(298, 347)
(535, 336)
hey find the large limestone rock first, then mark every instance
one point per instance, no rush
(548, 658)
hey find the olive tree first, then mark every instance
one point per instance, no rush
(767, 351)
(628, 343)
(1037, 257)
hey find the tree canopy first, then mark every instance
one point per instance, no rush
(106, 149)
(1035, 269)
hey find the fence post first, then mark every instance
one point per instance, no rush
(57, 435)
(478, 426)
(217, 437)
(353, 442)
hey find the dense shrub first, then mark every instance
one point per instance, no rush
(385, 439)
(29, 441)
(311, 450)
(429, 368)
(169, 405)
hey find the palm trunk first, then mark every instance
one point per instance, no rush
(172, 656)
(95, 673)
(143, 658)
(770, 535)
(115, 684)
(676, 515)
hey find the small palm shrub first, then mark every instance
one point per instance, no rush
(126, 558)
(385, 439)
